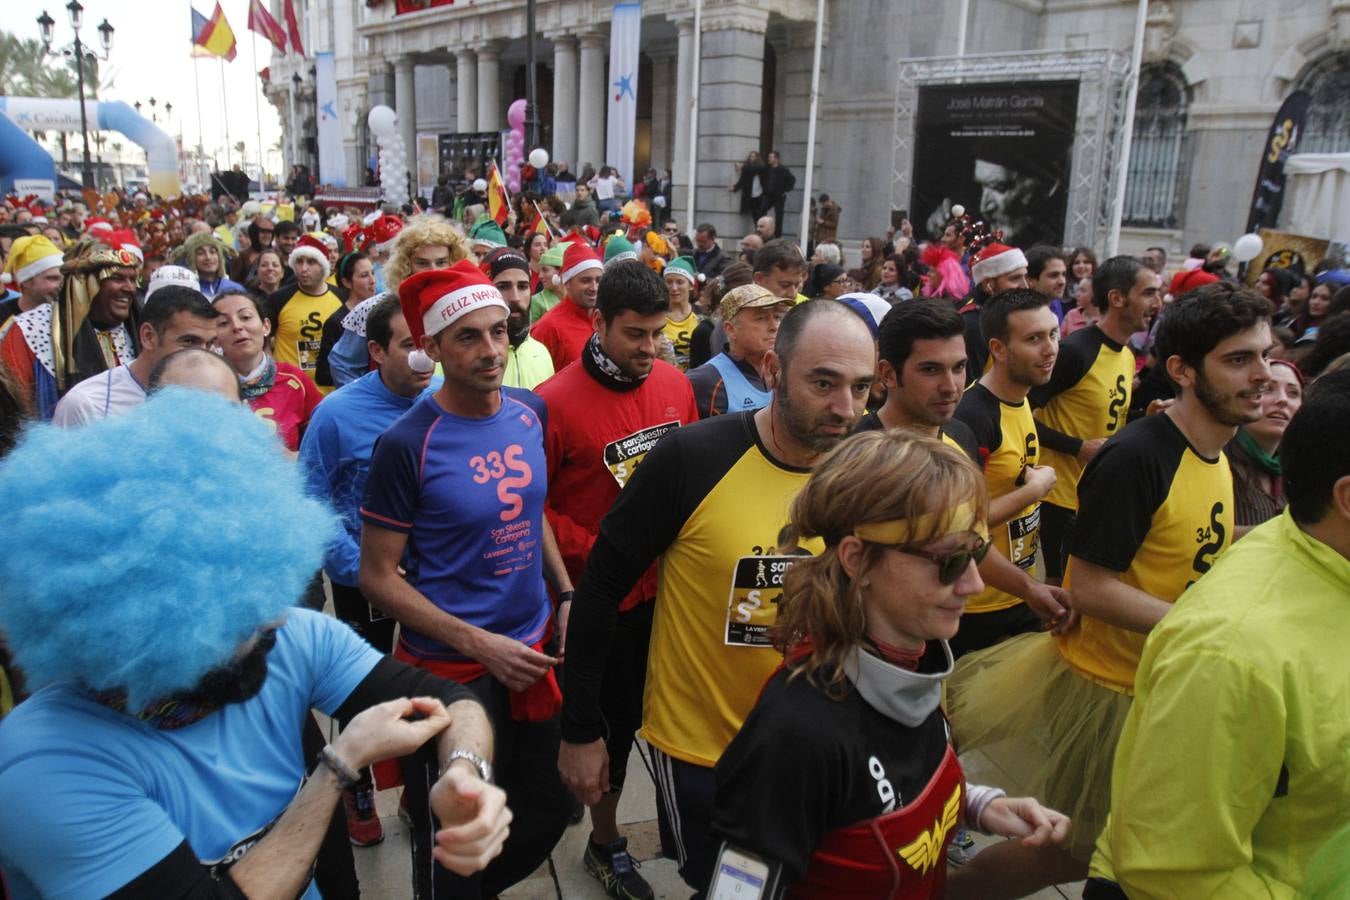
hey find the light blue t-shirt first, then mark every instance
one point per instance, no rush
(92, 798)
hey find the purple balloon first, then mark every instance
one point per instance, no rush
(515, 114)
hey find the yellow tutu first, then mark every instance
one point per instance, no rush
(1051, 731)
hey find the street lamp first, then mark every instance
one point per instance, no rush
(47, 28)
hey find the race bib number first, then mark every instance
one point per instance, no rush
(626, 454)
(1023, 538)
(756, 589)
(307, 352)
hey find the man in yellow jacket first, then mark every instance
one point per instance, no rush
(1233, 768)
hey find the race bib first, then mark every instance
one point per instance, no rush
(756, 589)
(307, 352)
(626, 454)
(1023, 538)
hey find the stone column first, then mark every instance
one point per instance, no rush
(730, 75)
(684, 72)
(793, 119)
(405, 104)
(591, 103)
(565, 99)
(490, 112)
(466, 91)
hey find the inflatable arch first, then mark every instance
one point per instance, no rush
(20, 166)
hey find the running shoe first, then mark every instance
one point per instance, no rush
(363, 822)
(616, 870)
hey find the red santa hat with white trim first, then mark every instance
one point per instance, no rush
(124, 239)
(95, 224)
(996, 259)
(578, 258)
(434, 300)
(310, 247)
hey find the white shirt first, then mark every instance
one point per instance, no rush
(106, 394)
(604, 188)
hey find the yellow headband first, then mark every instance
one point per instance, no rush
(902, 531)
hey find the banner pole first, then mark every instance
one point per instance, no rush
(1123, 164)
(201, 134)
(693, 114)
(257, 115)
(224, 108)
(811, 126)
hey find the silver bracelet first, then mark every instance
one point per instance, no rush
(347, 776)
(482, 765)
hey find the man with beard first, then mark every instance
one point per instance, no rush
(566, 328)
(1155, 510)
(163, 757)
(709, 501)
(528, 363)
(1023, 343)
(604, 416)
(455, 497)
(335, 454)
(1088, 396)
(90, 328)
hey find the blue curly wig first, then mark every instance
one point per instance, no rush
(146, 547)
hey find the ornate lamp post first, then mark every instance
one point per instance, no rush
(47, 26)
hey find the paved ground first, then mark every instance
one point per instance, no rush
(384, 869)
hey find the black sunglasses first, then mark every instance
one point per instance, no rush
(950, 565)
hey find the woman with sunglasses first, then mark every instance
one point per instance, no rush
(870, 792)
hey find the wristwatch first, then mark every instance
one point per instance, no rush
(482, 765)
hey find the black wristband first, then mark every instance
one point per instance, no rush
(565, 597)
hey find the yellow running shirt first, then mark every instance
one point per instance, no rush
(709, 502)
(1153, 509)
(299, 328)
(1005, 434)
(1087, 398)
(680, 334)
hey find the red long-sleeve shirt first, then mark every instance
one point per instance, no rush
(596, 437)
(564, 330)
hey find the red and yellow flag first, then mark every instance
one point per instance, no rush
(213, 36)
(499, 204)
(261, 22)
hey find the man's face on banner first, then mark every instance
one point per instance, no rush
(1008, 199)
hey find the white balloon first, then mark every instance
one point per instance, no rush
(958, 210)
(538, 157)
(382, 120)
(479, 185)
(1247, 247)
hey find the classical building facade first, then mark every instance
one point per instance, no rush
(1214, 74)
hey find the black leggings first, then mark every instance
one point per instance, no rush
(525, 765)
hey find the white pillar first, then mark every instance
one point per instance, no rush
(684, 64)
(466, 91)
(591, 103)
(489, 102)
(565, 99)
(405, 104)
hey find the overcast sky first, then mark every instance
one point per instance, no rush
(152, 57)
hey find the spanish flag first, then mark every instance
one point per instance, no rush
(499, 204)
(212, 37)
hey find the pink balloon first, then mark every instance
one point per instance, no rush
(515, 114)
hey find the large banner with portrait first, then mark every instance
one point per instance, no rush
(1002, 150)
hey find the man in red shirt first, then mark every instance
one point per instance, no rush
(605, 412)
(565, 328)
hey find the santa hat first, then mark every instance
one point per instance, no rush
(124, 239)
(618, 249)
(29, 257)
(578, 258)
(326, 239)
(353, 236)
(381, 232)
(996, 259)
(172, 275)
(95, 224)
(433, 300)
(683, 266)
(1186, 281)
(310, 247)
